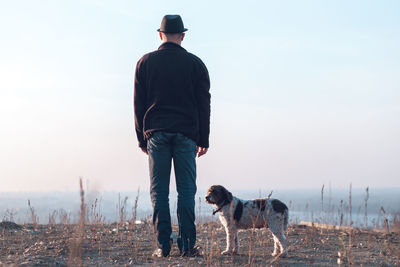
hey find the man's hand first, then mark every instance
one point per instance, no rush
(201, 151)
(144, 149)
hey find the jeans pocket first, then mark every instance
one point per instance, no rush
(156, 142)
(185, 143)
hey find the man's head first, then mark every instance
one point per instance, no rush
(172, 37)
(172, 29)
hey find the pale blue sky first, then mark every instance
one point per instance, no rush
(304, 93)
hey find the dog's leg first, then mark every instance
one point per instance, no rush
(282, 238)
(231, 235)
(281, 242)
(235, 243)
(284, 250)
(276, 246)
(280, 248)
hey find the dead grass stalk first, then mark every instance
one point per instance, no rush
(75, 246)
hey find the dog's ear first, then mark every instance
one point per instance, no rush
(228, 195)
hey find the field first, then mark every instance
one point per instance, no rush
(92, 242)
(129, 244)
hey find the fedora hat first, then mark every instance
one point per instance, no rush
(172, 24)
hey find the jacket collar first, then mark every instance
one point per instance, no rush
(170, 45)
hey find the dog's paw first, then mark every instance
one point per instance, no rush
(228, 252)
(275, 253)
(281, 255)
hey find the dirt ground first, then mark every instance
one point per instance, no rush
(132, 245)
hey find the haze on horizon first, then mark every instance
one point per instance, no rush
(304, 93)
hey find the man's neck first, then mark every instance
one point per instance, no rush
(171, 41)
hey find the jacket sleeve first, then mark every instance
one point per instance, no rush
(139, 102)
(203, 103)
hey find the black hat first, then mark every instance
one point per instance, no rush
(172, 24)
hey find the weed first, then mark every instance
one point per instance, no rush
(75, 247)
(34, 217)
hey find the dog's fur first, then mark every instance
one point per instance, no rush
(236, 214)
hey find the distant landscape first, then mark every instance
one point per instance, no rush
(310, 205)
(105, 229)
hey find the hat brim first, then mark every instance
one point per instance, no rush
(184, 29)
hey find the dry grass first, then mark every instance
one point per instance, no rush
(34, 217)
(113, 245)
(76, 242)
(91, 242)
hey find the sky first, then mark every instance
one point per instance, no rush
(304, 93)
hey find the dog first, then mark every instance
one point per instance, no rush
(236, 214)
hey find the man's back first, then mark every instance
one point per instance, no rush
(172, 93)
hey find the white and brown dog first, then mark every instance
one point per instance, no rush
(236, 214)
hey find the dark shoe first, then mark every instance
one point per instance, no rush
(193, 252)
(179, 242)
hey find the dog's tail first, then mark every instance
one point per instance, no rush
(285, 219)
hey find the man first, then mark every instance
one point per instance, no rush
(172, 119)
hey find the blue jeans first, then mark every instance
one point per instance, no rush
(163, 148)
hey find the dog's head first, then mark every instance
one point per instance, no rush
(218, 195)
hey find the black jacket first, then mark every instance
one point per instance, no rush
(172, 95)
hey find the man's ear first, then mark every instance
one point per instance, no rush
(161, 36)
(182, 36)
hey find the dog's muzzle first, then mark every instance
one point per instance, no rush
(208, 200)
